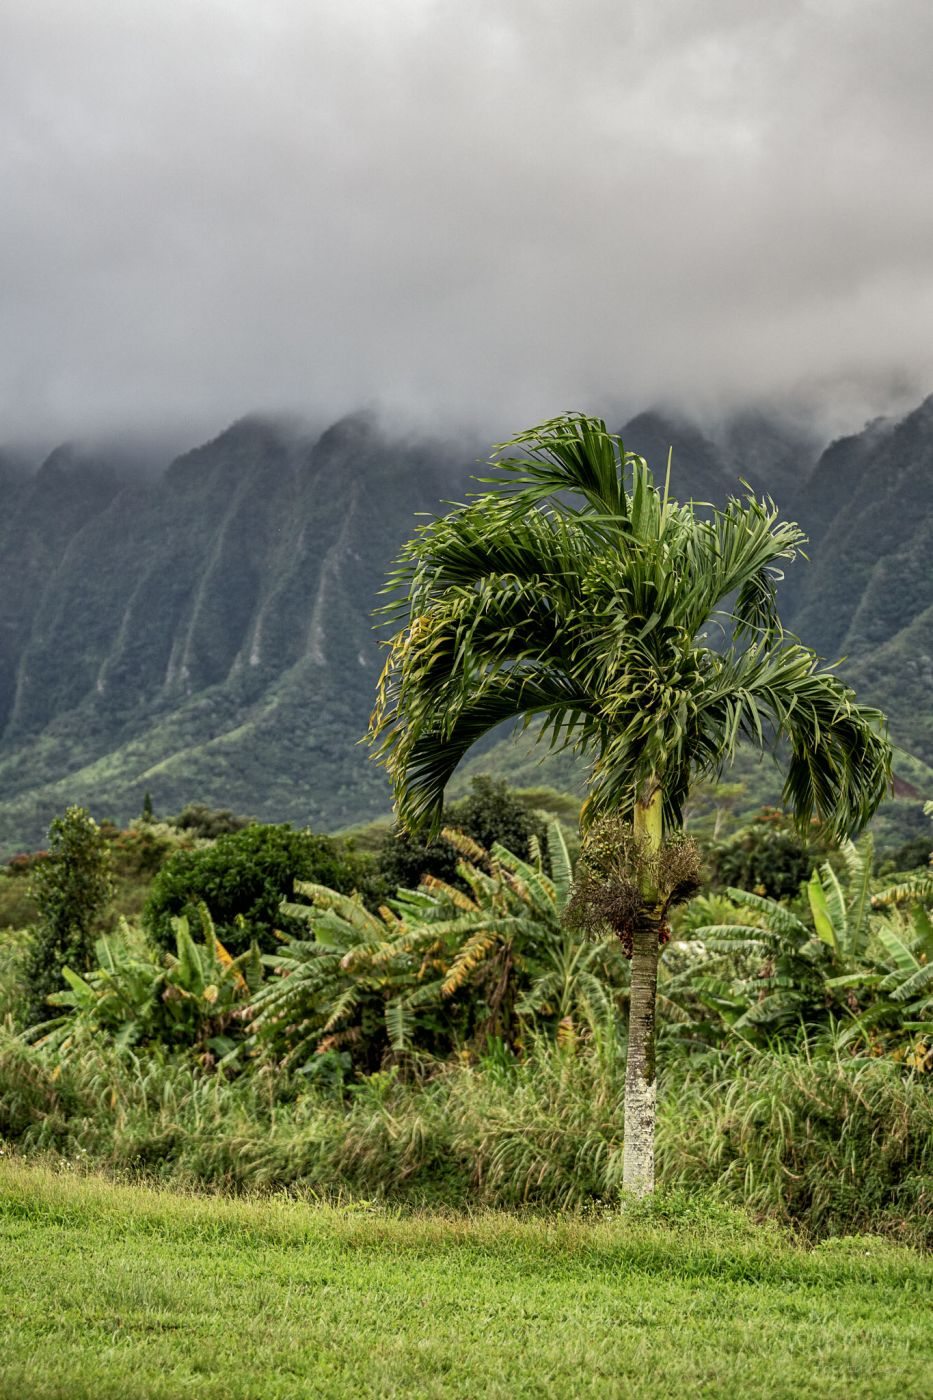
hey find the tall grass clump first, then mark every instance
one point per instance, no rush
(824, 1144)
(548, 1130)
(822, 1141)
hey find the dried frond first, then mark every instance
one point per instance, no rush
(352, 1036)
(622, 885)
(467, 960)
(471, 850)
(448, 892)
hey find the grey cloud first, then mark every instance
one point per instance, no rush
(479, 212)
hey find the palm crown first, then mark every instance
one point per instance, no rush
(641, 630)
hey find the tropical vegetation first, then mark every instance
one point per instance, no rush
(644, 633)
(447, 1016)
(72, 888)
(463, 1042)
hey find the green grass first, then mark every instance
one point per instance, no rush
(824, 1146)
(122, 1291)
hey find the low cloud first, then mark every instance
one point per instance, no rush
(468, 213)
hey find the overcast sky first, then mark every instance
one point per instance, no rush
(484, 211)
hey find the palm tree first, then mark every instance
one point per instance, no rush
(643, 632)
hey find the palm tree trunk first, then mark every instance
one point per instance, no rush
(640, 1082)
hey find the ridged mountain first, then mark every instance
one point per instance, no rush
(207, 634)
(867, 595)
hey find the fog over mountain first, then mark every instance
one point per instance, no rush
(393, 234)
(207, 633)
(474, 213)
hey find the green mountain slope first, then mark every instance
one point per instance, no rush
(207, 635)
(210, 636)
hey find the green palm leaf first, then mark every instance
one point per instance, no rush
(638, 630)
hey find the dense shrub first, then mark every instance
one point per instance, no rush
(767, 857)
(139, 850)
(852, 957)
(208, 822)
(912, 855)
(17, 905)
(72, 887)
(491, 814)
(243, 878)
(15, 946)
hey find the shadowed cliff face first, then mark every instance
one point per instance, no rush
(208, 634)
(867, 596)
(41, 517)
(871, 514)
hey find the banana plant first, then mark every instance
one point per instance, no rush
(772, 972)
(891, 987)
(841, 913)
(322, 995)
(118, 998)
(506, 952)
(874, 971)
(697, 999)
(206, 990)
(440, 965)
(895, 981)
(762, 975)
(191, 999)
(918, 889)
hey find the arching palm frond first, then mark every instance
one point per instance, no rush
(577, 593)
(917, 889)
(424, 750)
(839, 767)
(568, 454)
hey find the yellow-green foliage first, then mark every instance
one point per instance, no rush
(188, 999)
(441, 967)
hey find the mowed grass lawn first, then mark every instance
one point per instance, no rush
(121, 1291)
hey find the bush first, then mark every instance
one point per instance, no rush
(243, 878)
(208, 822)
(768, 857)
(72, 887)
(491, 814)
(15, 945)
(140, 850)
(913, 855)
